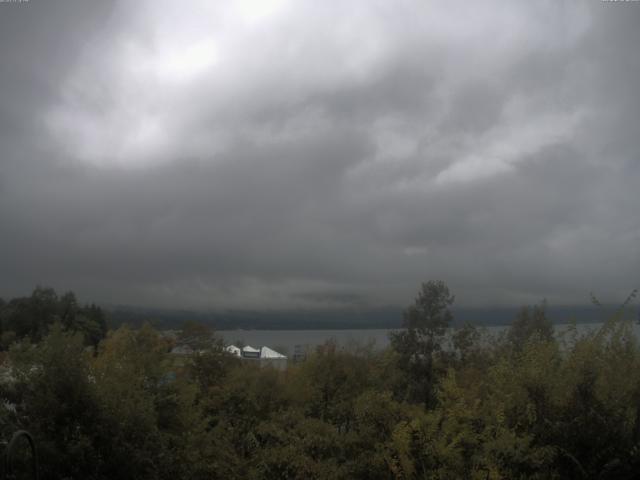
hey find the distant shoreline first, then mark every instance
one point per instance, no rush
(344, 319)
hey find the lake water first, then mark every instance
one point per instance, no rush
(285, 341)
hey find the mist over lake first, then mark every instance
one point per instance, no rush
(378, 339)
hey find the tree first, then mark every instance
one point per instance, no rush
(465, 340)
(92, 323)
(89, 320)
(32, 317)
(531, 323)
(425, 323)
(197, 336)
(132, 382)
(56, 401)
(335, 378)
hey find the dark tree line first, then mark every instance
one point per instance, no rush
(32, 317)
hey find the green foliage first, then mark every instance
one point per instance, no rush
(419, 343)
(334, 379)
(196, 335)
(32, 317)
(530, 405)
(55, 400)
(466, 342)
(531, 324)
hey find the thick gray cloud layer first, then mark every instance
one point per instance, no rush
(270, 154)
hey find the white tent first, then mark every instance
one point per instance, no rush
(250, 352)
(266, 352)
(233, 350)
(264, 355)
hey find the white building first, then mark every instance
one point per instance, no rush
(264, 355)
(233, 350)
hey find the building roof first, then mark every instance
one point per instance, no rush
(233, 350)
(266, 352)
(263, 352)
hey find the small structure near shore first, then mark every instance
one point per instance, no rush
(264, 355)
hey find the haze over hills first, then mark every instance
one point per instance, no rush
(365, 318)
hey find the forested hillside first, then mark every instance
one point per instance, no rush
(529, 404)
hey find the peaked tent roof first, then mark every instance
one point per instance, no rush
(232, 349)
(266, 352)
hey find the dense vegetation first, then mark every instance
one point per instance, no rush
(436, 405)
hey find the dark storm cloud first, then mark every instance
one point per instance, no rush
(276, 154)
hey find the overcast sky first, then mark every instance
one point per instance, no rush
(305, 154)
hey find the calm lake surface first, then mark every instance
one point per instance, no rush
(285, 341)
